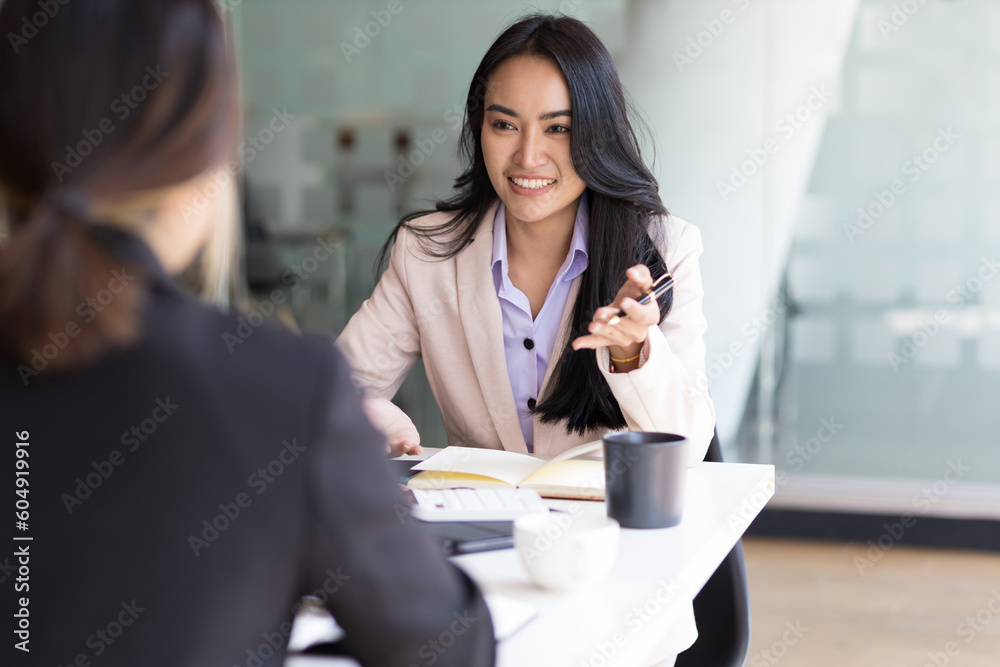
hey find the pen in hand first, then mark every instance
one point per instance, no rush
(653, 292)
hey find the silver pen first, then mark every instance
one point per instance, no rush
(654, 292)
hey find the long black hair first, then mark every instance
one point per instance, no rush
(621, 191)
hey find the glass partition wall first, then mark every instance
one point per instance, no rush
(888, 362)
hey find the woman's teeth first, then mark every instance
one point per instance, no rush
(532, 183)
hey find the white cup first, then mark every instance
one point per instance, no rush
(563, 552)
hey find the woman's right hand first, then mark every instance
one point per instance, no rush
(400, 433)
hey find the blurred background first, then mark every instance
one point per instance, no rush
(840, 158)
(836, 155)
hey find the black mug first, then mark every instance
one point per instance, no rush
(644, 476)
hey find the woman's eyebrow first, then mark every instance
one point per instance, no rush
(556, 114)
(549, 115)
(502, 109)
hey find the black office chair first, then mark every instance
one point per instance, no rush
(721, 608)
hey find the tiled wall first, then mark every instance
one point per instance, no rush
(334, 65)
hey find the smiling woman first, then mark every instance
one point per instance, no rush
(526, 144)
(555, 225)
(526, 147)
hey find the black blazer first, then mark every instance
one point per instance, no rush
(183, 497)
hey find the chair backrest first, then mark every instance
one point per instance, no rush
(721, 608)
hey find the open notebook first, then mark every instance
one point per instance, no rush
(565, 476)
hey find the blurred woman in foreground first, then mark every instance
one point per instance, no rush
(180, 499)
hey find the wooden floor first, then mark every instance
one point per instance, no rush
(820, 604)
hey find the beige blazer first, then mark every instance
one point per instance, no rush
(448, 313)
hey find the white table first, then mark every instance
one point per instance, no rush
(657, 573)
